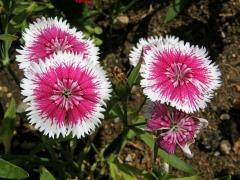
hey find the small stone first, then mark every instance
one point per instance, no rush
(21, 107)
(225, 147)
(4, 89)
(236, 147)
(225, 116)
(217, 153)
(116, 120)
(165, 168)
(238, 88)
(9, 95)
(223, 34)
(135, 89)
(128, 158)
(214, 108)
(121, 22)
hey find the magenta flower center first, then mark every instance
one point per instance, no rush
(178, 73)
(56, 45)
(67, 94)
(181, 132)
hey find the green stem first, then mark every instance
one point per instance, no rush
(137, 124)
(84, 152)
(125, 117)
(51, 152)
(53, 155)
(95, 149)
(49, 148)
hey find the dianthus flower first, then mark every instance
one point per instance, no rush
(47, 36)
(65, 94)
(145, 45)
(180, 75)
(177, 127)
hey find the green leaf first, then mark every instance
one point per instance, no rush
(97, 41)
(134, 75)
(138, 121)
(131, 134)
(118, 110)
(19, 18)
(87, 35)
(7, 4)
(11, 110)
(46, 175)
(128, 6)
(8, 37)
(8, 125)
(228, 177)
(186, 178)
(33, 6)
(90, 29)
(173, 10)
(115, 174)
(11, 171)
(133, 171)
(110, 106)
(98, 30)
(170, 159)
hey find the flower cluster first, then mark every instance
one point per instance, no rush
(179, 79)
(64, 85)
(66, 89)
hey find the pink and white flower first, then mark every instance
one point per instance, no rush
(47, 36)
(65, 94)
(180, 75)
(146, 45)
(177, 127)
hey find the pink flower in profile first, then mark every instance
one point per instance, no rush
(47, 36)
(180, 75)
(146, 45)
(177, 127)
(65, 94)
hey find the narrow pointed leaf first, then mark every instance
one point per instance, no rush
(133, 171)
(8, 125)
(187, 178)
(133, 75)
(8, 37)
(11, 171)
(19, 18)
(46, 175)
(228, 177)
(173, 10)
(170, 159)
